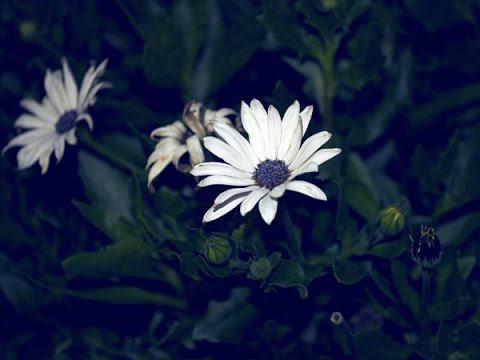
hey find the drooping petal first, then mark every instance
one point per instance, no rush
(71, 138)
(275, 131)
(175, 130)
(306, 188)
(164, 147)
(233, 138)
(227, 153)
(252, 199)
(87, 118)
(59, 148)
(217, 211)
(312, 144)
(91, 96)
(225, 180)
(268, 209)
(70, 85)
(324, 154)
(218, 168)
(44, 160)
(254, 131)
(195, 150)
(179, 152)
(88, 82)
(290, 121)
(160, 164)
(306, 115)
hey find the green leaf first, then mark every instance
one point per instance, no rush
(349, 272)
(377, 345)
(226, 321)
(390, 250)
(466, 265)
(450, 310)
(105, 186)
(289, 274)
(383, 284)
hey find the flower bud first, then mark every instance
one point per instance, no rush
(260, 269)
(426, 247)
(391, 220)
(217, 249)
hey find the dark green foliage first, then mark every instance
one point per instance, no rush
(95, 266)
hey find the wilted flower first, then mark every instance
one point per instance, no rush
(426, 247)
(391, 220)
(263, 167)
(54, 121)
(183, 138)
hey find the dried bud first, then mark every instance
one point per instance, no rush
(336, 318)
(426, 247)
(391, 220)
(217, 249)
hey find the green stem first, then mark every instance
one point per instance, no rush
(293, 238)
(426, 275)
(108, 154)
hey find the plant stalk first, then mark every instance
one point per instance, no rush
(293, 238)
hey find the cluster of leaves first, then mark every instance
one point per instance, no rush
(92, 264)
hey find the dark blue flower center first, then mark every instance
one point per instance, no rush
(66, 122)
(270, 173)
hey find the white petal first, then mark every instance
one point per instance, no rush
(306, 115)
(30, 153)
(278, 191)
(227, 153)
(252, 199)
(88, 80)
(305, 168)
(218, 168)
(254, 132)
(59, 148)
(179, 152)
(41, 111)
(323, 155)
(91, 98)
(164, 147)
(290, 121)
(217, 211)
(175, 130)
(227, 194)
(88, 119)
(70, 85)
(225, 180)
(31, 122)
(56, 92)
(71, 138)
(274, 130)
(160, 164)
(195, 150)
(312, 144)
(306, 188)
(44, 160)
(296, 141)
(26, 138)
(262, 121)
(233, 138)
(268, 209)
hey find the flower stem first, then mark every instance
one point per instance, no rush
(293, 238)
(108, 154)
(426, 276)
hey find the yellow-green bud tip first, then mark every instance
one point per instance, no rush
(391, 220)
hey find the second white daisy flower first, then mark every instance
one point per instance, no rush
(263, 167)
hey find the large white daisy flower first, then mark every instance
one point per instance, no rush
(183, 138)
(53, 121)
(264, 166)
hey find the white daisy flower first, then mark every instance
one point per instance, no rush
(264, 166)
(183, 138)
(53, 121)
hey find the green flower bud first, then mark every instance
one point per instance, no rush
(217, 249)
(426, 247)
(28, 29)
(260, 268)
(391, 220)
